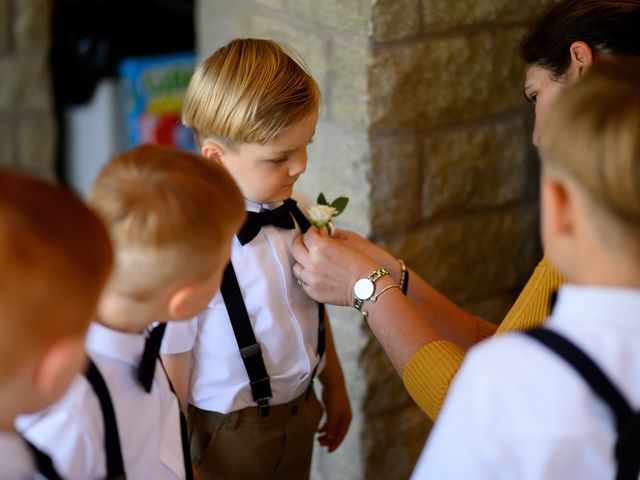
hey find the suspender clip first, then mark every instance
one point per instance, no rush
(259, 388)
(263, 407)
(251, 350)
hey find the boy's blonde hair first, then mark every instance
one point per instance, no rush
(593, 135)
(170, 214)
(249, 91)
(55, 256)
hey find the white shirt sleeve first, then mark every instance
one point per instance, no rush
(179, 337)
(514, 410)
(74, 442)
(453, 450)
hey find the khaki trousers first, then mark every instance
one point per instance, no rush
(244, 446)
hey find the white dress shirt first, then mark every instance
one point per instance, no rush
(518, 411)
(72, 430)
(16, 459)
(284, 320)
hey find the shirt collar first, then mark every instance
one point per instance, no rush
(256, 207)
(119, 346)
(580, 307)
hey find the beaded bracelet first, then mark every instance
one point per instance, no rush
(404, 277)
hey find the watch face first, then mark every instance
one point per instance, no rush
(363, 289)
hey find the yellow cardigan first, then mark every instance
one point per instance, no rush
(429, 372)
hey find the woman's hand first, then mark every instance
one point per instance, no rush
(329, 266)
(370, 249)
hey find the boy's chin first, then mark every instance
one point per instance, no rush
(280, 197)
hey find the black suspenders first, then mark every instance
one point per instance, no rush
(113, 451)
(43, 462)
(627, 448)
(115, 464)
(249, 347)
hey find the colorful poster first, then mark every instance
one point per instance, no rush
(152, 92)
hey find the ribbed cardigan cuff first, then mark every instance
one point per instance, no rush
(429, 372)
(485, 330)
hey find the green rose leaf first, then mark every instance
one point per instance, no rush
(340, 204)
(322, 200)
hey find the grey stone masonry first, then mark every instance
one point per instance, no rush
(423, 126)
(26, 103)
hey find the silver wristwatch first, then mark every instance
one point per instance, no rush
(365, 288)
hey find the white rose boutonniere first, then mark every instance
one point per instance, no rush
(323, 212)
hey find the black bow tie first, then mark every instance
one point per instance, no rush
(147, 367)
(280, 217)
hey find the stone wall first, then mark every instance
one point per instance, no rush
(424, 127)
(27, 125)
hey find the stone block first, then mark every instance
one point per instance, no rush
(349, 91)
(444, 80)
(392, 443)
(215, 25)
(36, 143)
(24, 83)
(350, 17)
(474, 256)
(32, 24)
(385, 391)
(5, 27)
(338, 166)
(395, 20)
(7, 147)
(275, 4)
(395, 184)
(346, 461)
(443, 15)
(476, 167)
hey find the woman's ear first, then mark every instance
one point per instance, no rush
(212, 150)
(581, 59)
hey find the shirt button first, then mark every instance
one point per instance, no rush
(294, 409)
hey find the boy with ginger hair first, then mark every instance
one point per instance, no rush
(55, 256)
(563, 401)
(171, 216)
(247, 362)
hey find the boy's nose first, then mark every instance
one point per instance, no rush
(298, 166)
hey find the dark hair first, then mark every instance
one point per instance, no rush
(606, 26)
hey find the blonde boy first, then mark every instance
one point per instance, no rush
(171, 216)
(254, 350)
(519, 408)
(55, 256)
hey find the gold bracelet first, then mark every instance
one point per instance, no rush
(375, 297)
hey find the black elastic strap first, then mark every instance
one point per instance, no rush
(250, 350)
(627, 422)
(405, 282)
(304, 225)
(249, 347)
(186, 454)
(43, 462)
(115, 463)
(184, 437)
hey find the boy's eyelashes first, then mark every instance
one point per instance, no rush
(277, 160)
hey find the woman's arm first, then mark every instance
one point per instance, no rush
(330, 266)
